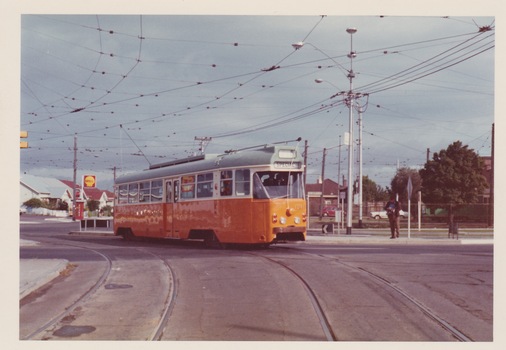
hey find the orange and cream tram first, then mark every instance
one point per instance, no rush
(244, 197)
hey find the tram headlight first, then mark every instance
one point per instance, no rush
(282, 220)
(296, 220)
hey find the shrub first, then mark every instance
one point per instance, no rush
(34, 203)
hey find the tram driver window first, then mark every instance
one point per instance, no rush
(274, 184)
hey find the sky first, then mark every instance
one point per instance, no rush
(136, 90)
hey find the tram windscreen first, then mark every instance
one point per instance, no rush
(277, 184)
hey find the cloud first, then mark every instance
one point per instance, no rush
(140, 88)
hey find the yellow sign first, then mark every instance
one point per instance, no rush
(89, 181)
(23, 135)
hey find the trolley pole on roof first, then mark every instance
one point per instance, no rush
(204, 141)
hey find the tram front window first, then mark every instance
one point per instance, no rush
(276, 184)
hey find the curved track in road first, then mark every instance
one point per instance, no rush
(78, 302)
(427, 311)
(388, 287)
(66, 325)
(169, 303)
(286, 292)
(320, 313)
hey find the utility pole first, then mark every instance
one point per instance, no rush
(360, 188)
(492, 164)
(74, 200)
(305, 164)
(350, 102)
(339, 175)
(323, 181)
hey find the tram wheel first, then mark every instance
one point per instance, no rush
(211, 241)
(128, 235)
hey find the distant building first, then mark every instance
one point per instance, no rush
(49, 190)
(487, 173)
(54, 192)
(331, 189)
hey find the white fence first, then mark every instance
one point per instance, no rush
(48, 212)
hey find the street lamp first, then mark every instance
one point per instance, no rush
(350, 102)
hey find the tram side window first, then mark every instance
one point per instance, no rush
(188, 187)
(242, 182)
(144, 191)
(156, 191)
(226, 183)
(133, 193)
(123, 194)
(205, 185)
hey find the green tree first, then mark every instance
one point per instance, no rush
(372, 191)
(399, 183)
(92, 204)
(453, 177)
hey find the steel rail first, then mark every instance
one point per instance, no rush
(170, 301)
(84, 297)
(324, 322)
(427, 311)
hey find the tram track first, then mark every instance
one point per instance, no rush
(81, 301)
(78, 302)
(327, 309)
(460, 336)
(389, 285)
(157, 333)
(320, 313)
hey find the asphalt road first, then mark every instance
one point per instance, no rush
(309, 291)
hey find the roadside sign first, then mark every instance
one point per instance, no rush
(89, 181)
(410, 187)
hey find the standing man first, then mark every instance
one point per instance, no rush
(393, 208)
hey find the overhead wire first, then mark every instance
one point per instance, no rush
(300, 113)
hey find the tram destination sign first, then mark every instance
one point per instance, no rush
(287, 165)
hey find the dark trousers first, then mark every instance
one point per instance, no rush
(394, 225)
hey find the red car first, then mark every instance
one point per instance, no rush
(329, 211)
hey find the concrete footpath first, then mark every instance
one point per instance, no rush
(35, 273)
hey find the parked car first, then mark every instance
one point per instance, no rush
(22, 209)
(383, 214)
(329, 211)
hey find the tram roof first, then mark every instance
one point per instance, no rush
(266, 155)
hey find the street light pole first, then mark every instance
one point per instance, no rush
(360, 160)
(351, 75)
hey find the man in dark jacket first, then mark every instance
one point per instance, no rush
(393, 208)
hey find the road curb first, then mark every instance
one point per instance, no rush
(35, 273)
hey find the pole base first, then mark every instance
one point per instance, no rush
(348, 230)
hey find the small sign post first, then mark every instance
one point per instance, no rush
(410, 191)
